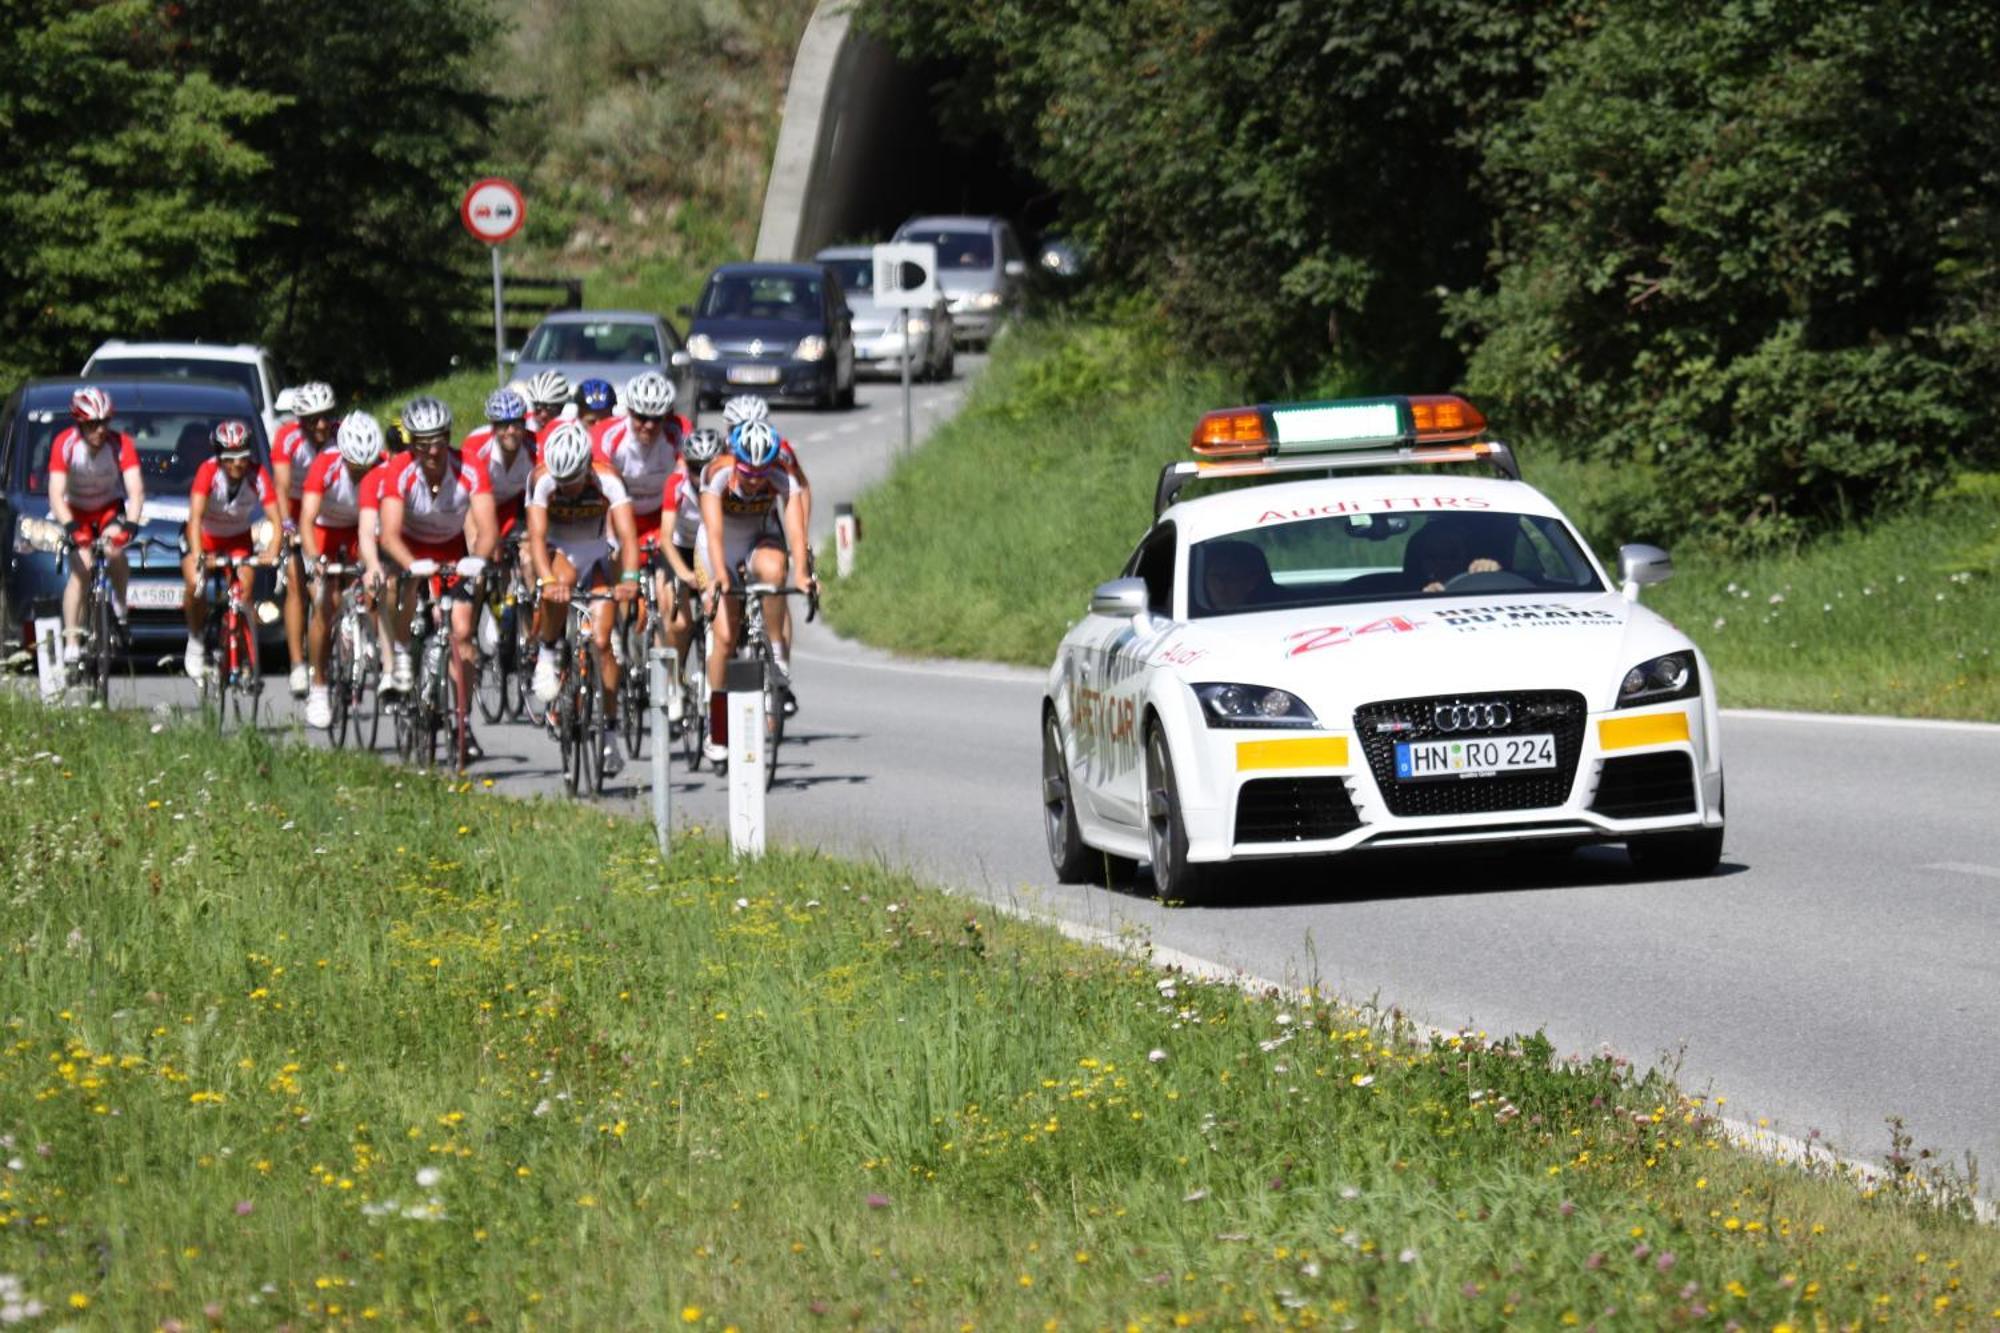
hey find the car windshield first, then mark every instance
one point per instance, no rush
(783, 296)
(172, 445)
(182, 368)
(625, 343)
(961, 250)
(857, 276)
(1370, 557)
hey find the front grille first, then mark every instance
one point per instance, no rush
(1644, 786)
(1294, 810)
(1558, 712)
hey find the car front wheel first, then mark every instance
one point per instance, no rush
(1070, 859)
(1175, 878)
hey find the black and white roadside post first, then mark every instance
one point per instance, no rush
(846, 532)
(663, 673)
(744, 680)
(493, 211)
(905, 281)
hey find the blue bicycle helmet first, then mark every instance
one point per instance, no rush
(755, 445)
(506, 405)
(595, 395)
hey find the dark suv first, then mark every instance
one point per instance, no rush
(779, 330)
(169, 420)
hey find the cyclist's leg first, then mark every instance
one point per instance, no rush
(121, 574)
(550, 618)
(246, 587)
(194, 607)
(295, 602)
(72, 602)
(319, 633)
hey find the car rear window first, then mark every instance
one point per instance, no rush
(172, 445)
(783, 296)
(621, 343)
(857, 276)
(1383, 556)
(957, 249)
(182, 368)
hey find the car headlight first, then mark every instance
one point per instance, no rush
(1225, 704)
(811, 348)
(986, 301)
(919, 324)
(37, 534)
(1664, 678)
(701, 347)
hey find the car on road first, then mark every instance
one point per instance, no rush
(1349, 651)
(614, 345)
(169, 420)
(879, 331)
(243, 364)
(981, 268)
(780, 330)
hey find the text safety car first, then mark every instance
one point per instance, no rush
(1345, 651)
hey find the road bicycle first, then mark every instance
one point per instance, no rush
(577, 715)
(693, 683)
(232, 686)
(505, 635)
(103, 638)
(640, 628)
(755, 645)
(433, 702)
(354, 662)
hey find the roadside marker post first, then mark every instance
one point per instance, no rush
(492, 211)
(905, 281)
(663, 672)
(745, 682)
(48, 655)
(846, 532)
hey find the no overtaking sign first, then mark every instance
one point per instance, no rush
(493, 210)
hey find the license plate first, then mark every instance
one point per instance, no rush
(753, 374)
(1423, 761)
(155, 596)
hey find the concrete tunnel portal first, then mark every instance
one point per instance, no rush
(863, 147)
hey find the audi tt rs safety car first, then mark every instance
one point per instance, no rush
(1348, 650)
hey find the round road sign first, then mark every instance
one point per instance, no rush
(493, 210)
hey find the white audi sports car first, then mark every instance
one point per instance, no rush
(1342, 650)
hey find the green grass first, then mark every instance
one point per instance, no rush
(987, 542)
(292, 1038)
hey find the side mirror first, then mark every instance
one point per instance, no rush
(512, 356)
(685, 311)
(680, 360)
(1640, 566)
(1122, 598)
(1016, 267)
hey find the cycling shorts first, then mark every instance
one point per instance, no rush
(443, 552)
(736, 548)
(590, 560)
(513, 516)
(340, 546)
(646, 525)
(95, 520)
(239, 546)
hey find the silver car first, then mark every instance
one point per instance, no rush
(981, 268)
(878, 336)
(613, 345)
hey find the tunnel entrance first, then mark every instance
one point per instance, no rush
(865, 147)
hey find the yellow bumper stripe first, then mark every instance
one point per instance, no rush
(1299, 752)
(1622, 733)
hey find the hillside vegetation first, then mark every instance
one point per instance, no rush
(1753, 247)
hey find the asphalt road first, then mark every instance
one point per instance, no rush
(1838, 970)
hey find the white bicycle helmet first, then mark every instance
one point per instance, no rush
(312, 398)
(566, 453)
(426, 416)
(745, 407)
(549, 389)
(649, 395)
(756, 445)
(360, 439)
(702, 448)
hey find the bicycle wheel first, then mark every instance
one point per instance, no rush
(774, 719)
(220, 673)
(248, 694)
(340, 683)
(569, 735)
(492, 689)
(590, 719)
(100, 648)
(634, 696)
(694, 723)
(521, 660)
(429, 718)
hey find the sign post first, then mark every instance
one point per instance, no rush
(663, 675)
(493, 210)
(905, 281)
(745, 682)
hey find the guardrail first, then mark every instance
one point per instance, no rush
(527, 300)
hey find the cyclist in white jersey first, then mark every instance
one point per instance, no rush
(330, 533)
(94, 489)
(297, 444)
(741, 494)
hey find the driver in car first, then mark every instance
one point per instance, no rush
(1448, 547)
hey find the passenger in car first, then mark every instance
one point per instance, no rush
(1235, 576)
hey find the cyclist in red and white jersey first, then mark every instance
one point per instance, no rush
(549, 393)
(94, 487)
(375, 573)
(229, 493)
(643, 448)
(293, 450)
(748, 518)
(436, 510)
(579, 525)
(680, 530)
(499, 449)
(330, 530)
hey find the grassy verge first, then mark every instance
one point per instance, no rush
(987, 542)
(292, 1039)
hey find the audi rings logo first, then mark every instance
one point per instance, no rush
(1491, 716)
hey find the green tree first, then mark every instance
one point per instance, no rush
(129, 202)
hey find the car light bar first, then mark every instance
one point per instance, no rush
(1354, 423)
(1326, 462)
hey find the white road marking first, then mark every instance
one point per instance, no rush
(845, 428)
(992, 673)
(1966, 868)
(1855, 720)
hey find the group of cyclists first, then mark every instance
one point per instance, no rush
(582, 490)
